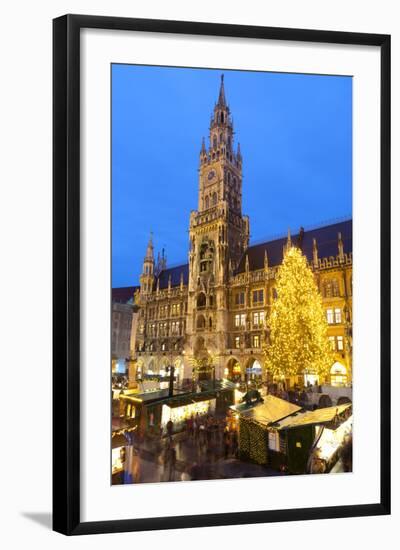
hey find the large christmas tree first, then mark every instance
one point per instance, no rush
(298, 327)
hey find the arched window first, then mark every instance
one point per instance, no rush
(214, 199)
(220, 138)
(210, 322)
(215, 142)
(229, 142)
(207, 203)
(222, 118)
(338, 374)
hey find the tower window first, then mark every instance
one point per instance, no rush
(214, 199)
(201, 322)
(215, 142)
(207, 203)
(222, 118)
(201, 301)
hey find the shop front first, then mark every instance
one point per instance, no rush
(151, 411)
(178, 412)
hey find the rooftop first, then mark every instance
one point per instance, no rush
(327, 244)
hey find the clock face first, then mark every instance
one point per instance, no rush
(211, 174)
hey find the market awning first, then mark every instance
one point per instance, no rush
(271, 410)
(319, 416)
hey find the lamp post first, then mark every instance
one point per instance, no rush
(171, 380)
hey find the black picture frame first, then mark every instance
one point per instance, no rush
(66, 273)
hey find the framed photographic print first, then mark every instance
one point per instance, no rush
(221, 274)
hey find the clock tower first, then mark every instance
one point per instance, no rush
(219, 233)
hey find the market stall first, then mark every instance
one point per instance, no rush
(283, 436)
(312, 435)
(254, 421)
(151, 411)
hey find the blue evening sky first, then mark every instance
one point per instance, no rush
(295, 133)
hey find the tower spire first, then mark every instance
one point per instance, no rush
(147, 276)
(221, 98)
(150, 248)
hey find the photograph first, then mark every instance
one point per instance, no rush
(231, 329)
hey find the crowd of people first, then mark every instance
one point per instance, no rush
(205, 440)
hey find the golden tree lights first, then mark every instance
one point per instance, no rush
(253, 441)
(298, 326)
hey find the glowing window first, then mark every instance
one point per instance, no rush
(329, 316)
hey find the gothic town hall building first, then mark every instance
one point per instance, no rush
(217, 305)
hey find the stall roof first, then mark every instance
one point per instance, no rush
(210, 385)
(189, 399)
(319, 416)
(209, 391)
(272, 410)
(118, 440)
(148, 396)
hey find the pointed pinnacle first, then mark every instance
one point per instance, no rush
(221, 97)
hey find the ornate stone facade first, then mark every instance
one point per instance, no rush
(217, 305)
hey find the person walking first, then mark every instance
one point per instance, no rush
(227, 443)
(189, 426)
(235, 443)
(202, 435)
(194, 427)
(170, 463)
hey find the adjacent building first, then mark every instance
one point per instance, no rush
(124, 317)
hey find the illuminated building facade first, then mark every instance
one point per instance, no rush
(216, 306)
